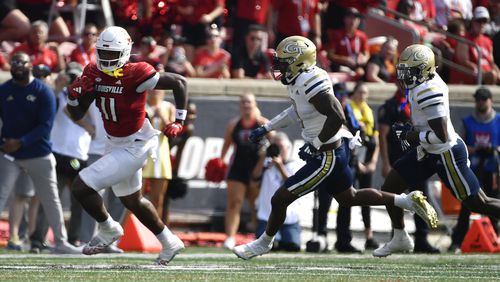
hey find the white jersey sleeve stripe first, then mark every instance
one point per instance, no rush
(312, 78)
(431, 99)
(315, 85)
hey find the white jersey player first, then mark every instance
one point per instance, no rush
(326, 152)
(436, 147)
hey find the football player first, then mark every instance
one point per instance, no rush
(437, 148)
(119, 88)
(326, 148)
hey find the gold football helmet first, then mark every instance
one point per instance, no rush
(416, 65)
(293, 55)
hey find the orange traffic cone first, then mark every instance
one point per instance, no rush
(481, 237)
(136, 237)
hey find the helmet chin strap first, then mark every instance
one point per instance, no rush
(114, 73)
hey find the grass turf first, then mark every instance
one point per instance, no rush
(215, 264)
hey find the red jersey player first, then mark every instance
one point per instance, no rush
(119, 90)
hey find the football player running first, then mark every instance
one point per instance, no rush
(326, 148)
(432, 146)
(119, 88)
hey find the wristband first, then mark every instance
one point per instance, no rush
(180, 114)
(73, 103)
(317, 143)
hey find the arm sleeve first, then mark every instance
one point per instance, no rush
(284, 119)
(46, 113)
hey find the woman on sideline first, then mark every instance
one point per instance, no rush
(157, 173)
(244, 160)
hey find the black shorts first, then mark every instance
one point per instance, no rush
(68, 166)
(6, 6)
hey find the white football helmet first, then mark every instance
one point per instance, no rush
(113, 39)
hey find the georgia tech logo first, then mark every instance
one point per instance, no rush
(294, 48)
(31, 98)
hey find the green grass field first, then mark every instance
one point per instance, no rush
(215, 264)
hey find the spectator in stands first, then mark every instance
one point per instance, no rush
(197, 16)
(211, 61)
(294, 17)
(244, 160)
(250, 60)
(449, 10)
(39, 50)
(175, 60)
(396, 110)
(38, 10)
(348, 48)
(335, 10)
(14, 25)
(408, 8)
(381, 67)
(248, 13)
(158, 171)
(148, 52)
(4, 65)
(467, 55)
(425, 11)
(273, 169)
(84, 52)
(482, 137)
(27, 120)
(493, 26)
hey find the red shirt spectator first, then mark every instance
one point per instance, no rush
(253, 10)
(212, 61)
(85, 52)
(208, 61)
(3, 63)
(295, 18)
(39, 55)
(196, 9)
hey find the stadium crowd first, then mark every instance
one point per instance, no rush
(236, 39)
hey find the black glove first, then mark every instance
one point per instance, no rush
(307, 152)
(400, 131)
(257, 134)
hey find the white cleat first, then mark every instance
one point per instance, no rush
(421, 207)
(396, 245)
(252, 249)
(104, 238)
(167, 254)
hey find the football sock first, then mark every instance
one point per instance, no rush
(266, 239)
(107, 223)
(399, 233)
(402, 202)
(164, 235)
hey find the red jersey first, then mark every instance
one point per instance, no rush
(253, 10)
(348, 45)
(122, 108)
(290, 14)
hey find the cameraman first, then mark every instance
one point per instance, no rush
(272, 169)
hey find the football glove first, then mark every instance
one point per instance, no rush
(81, 86)
(400, 131)
(257, 134)
(307, 152)
(173, 129)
